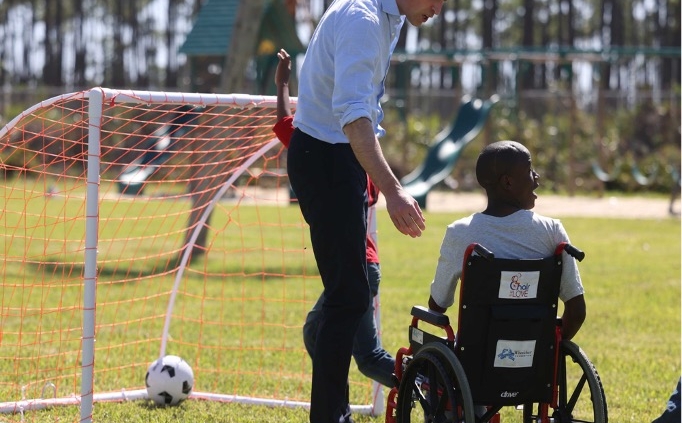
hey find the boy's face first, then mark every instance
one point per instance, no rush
(523, 181)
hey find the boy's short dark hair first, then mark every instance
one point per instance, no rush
(497, 159)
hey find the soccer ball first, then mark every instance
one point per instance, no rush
(169, 380)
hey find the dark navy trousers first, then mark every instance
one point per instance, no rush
(331, 188)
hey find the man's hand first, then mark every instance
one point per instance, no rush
(405, 213)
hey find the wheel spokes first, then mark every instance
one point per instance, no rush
(570, 405)
(581, 395)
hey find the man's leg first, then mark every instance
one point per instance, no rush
(312, 322)
(331, 188)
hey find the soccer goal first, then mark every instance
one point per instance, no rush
(140, 224)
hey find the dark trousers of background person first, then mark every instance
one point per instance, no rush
(371, 358)
(331, 188)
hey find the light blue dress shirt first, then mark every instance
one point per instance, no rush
(344, 69)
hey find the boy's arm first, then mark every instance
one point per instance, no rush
(435, 307)
(573, 317)
(282, 81)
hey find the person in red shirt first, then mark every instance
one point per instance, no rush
(372, 360)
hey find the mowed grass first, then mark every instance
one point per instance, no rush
(632, 333)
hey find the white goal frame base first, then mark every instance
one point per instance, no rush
(141, 394)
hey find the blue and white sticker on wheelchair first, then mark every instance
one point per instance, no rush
(514, 354)
(519, 285)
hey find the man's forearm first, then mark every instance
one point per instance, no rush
(366, 147)
(402, 208)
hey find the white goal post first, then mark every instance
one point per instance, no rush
(137, 224)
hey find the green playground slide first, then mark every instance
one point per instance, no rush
(447, 148)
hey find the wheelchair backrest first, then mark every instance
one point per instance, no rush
(507, 328)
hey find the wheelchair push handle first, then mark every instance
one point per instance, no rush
(489, 255)
(483, 252)
(574, 252)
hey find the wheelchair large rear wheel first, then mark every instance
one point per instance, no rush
(581, 394)
(434, 388)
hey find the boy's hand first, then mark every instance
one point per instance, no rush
(283, 68)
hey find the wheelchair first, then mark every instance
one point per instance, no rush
(507, 351)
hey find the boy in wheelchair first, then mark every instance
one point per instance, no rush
(505, 350)
(508, 227)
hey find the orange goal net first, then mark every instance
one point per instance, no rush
(140, 224)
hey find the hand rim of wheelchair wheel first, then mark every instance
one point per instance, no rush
(434, 362)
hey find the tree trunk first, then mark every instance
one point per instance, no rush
(489, 9)
(489, 80)
(52, 69)
(171, 64)
(528, 41)
(241, 51)
(79, 46)
(117, 69)
(617, 30)
(242, 45)
(27, 73)
(58, 64)
(49, 51)
(545, 41)
(605, 24)
(571, 24)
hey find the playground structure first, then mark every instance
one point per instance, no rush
(636, 173)
(447, 148)
(155, 150)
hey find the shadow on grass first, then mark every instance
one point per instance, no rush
(131, 271)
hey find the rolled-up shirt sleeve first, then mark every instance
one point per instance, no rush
(358, 73)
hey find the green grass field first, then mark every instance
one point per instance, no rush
(632, 333)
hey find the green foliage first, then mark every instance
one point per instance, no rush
(564, 140)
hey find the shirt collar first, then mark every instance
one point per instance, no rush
(390, 7)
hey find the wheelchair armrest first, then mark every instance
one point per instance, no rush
(430, 316)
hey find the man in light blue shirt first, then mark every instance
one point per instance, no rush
(334, 147)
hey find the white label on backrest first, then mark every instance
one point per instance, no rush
(519, 285)
(514, 353)
(418, 336)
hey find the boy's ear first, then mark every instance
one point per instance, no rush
(505, 181)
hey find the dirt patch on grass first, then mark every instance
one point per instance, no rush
(609, 206)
